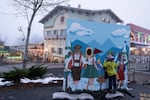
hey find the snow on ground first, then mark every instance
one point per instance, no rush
(26, 80)
(64, 95)
(5, 83)
(113, 95)
(43, 81)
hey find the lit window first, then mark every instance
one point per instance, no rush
(108, 20)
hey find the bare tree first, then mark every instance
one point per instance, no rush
(29, 8)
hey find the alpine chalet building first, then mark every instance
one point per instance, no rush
(55, 24)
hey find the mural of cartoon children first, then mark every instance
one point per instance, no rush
(75, 64)
(110, 67)
(101, 73)
(90, 68)
(121, 69)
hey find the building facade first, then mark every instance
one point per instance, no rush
(140, 40)
(139, 48)
(3, 51)
(55, 25)
(35, 51)
(8, 55)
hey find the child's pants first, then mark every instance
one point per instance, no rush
(112, 82)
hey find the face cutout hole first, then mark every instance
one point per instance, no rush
(89, 51)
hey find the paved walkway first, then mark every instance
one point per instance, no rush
(45, 93)
(139, 76)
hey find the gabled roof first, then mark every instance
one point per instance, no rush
(88, 12)
(135, 28)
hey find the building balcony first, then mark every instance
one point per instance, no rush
(139, 44)
(55, 37)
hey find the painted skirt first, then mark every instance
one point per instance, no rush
(90, 72)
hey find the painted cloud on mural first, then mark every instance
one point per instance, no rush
(121, 33)
(77, 29)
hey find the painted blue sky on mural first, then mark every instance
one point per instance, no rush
(103, 36)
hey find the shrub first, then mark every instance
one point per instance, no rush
(1, 75)
(33, 72)
(37, 71)
(16, 74)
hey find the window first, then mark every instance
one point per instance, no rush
(62, 19)
(64, 31)
(60, 50)
(108, 20)
(103, 19)
(58, 32)
(48, 33)
(148, 39)
(61, 32)
(55, 32)
(45, 35)
(53, 50)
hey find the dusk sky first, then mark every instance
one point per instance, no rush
(130, 11)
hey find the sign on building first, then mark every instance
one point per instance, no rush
(90, 46)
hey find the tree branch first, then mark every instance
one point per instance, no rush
(22, 4)
(58, 2)
(41, 2)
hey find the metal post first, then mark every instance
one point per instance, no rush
(134, 70)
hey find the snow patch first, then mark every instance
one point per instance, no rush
(43, 81)
(64, 95)
(113, 95)
(5, 83)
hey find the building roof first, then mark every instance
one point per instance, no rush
(135, 28)
(88, 12)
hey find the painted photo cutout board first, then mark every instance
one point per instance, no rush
(90, 47)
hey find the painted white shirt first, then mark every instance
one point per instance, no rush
(76, 57)
(89, 61)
